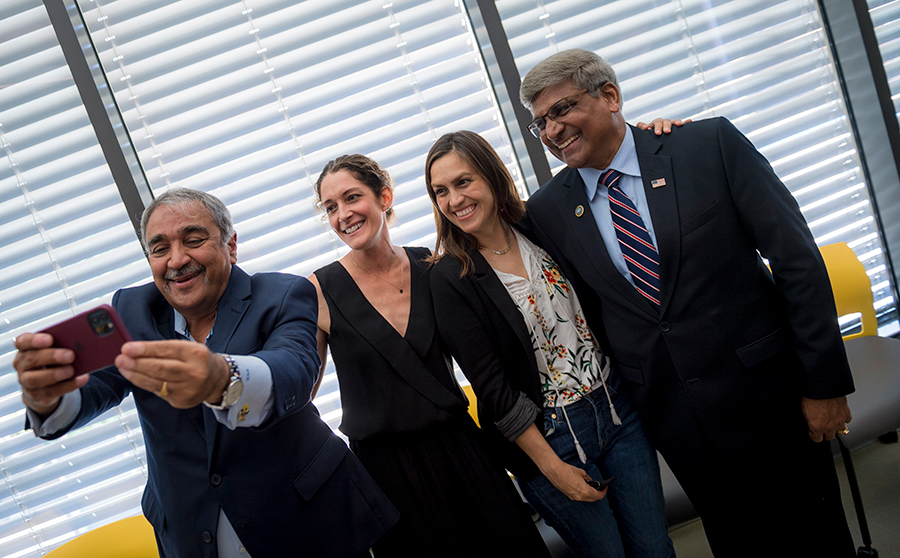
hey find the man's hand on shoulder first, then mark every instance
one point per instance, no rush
(662, 125)
(183, 373)
(45, 372)
(825, 417)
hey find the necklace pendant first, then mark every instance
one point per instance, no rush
(401, 291)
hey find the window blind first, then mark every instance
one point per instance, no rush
(65, 245)
(885, 16)
(765, 65)
(247, 101)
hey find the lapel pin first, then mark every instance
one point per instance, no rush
(579, 210)
(658, 183)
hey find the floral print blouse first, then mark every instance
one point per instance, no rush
(569, 363)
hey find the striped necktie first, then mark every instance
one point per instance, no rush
(634, 240)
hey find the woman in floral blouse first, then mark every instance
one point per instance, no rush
(516, 327)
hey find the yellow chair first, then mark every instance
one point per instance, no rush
(131, 537)
(473, 405)
(851, 286)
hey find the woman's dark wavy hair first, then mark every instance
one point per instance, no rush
(477, 152)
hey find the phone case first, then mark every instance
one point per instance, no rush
(96, 336)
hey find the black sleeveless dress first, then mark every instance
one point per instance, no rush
(406, 419)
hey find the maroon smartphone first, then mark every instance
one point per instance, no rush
(96, 336)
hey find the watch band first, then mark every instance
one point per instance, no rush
(233, 389)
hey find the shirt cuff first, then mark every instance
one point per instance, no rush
(519, 418)
(257, 399)
(60, 419)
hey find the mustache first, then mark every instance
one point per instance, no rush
(190, 269)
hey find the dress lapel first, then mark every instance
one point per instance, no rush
(420, 329)
(396, 350)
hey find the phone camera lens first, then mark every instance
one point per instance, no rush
(101, 323)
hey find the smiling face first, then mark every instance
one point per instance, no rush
(355, 213)
(590, 134)
(190, 263)
(463, 196)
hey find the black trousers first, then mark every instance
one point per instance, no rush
(785, 501)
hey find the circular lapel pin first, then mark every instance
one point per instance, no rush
(579, 211)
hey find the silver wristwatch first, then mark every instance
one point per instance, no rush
(233, 390)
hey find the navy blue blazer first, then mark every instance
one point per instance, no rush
(733, 344)
(288, 486)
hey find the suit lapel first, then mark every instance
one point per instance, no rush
(164, 324)
(597, 257)
(663, 211)
(163, 318)
(487, 279)
(235, 301)
(233, 304)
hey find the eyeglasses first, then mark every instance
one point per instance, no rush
(559, 109)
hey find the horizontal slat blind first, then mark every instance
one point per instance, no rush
(765, 65)
(65, 245)
(249, 101)
(885, 16)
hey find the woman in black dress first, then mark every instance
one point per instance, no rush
(403, 411)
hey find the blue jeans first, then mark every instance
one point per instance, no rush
(631, 520)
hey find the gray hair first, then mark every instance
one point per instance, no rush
(584, 68)
(185, 196)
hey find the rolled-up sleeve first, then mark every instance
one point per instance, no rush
(519, 418)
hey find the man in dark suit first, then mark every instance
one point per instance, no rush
(239, 461)
(739, 372)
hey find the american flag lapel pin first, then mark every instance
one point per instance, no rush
(658, 183)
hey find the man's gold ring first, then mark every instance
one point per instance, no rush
(163, 391)
(844, 431)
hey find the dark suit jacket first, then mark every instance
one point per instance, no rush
(289, 486)
(733, 344)
(487, 335)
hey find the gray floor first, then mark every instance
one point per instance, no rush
(878, 472)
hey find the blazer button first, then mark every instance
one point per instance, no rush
(207, 537)
(289, 402)
(665, 326)
(215, 479)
